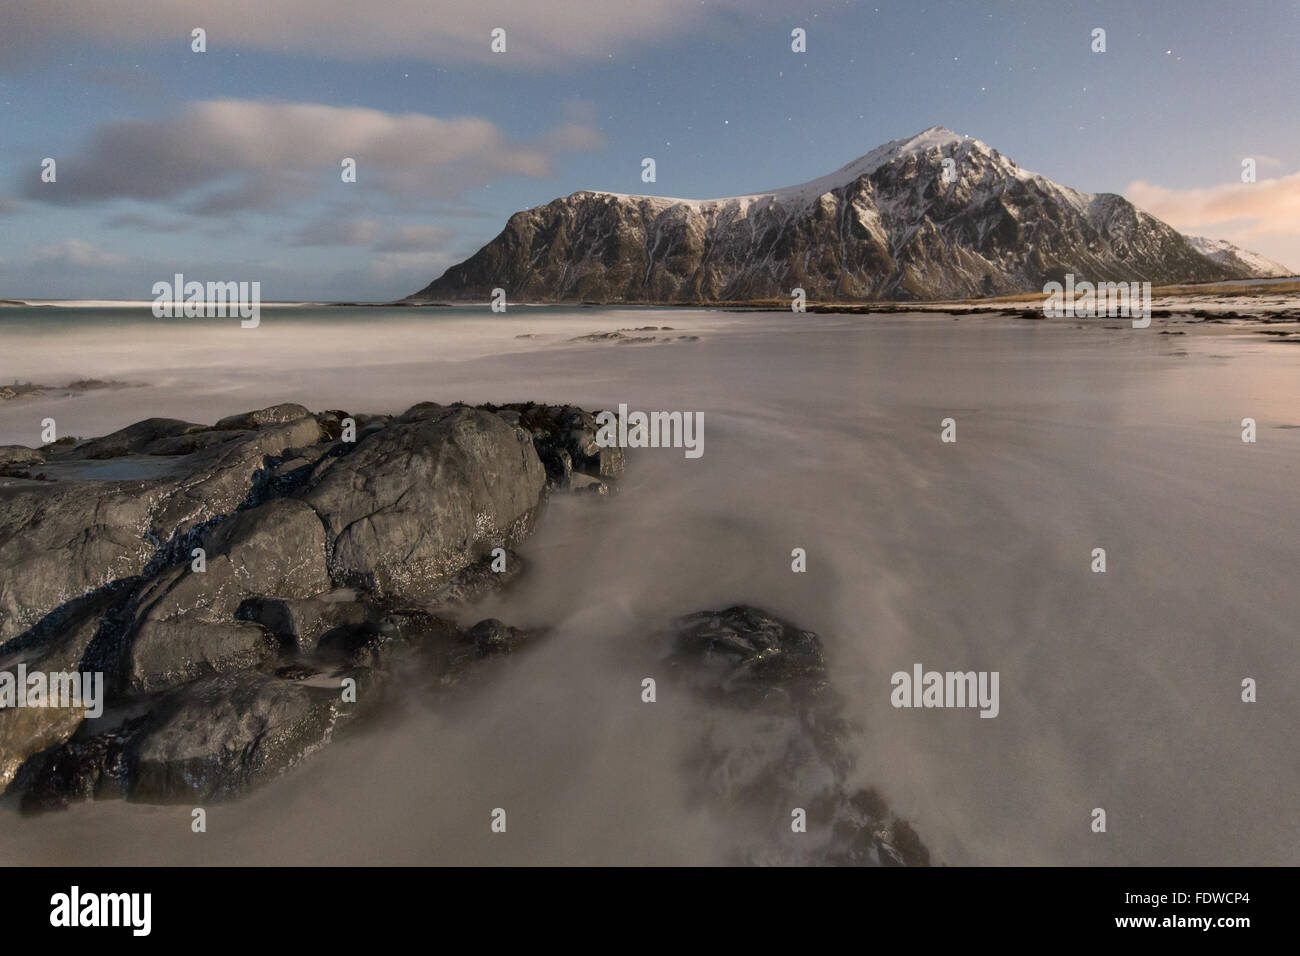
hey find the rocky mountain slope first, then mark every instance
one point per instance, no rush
(1235, 257)
(888, 226)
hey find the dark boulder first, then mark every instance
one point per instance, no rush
(565, 439)
(212, 741)
(184, 623)
(137, 438)
(222, 478)
(59, 645)
(60, 541)
(322, 558)
(209, 741)
(164, 653)
(418, 500)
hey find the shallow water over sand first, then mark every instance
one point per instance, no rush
(1118, 690)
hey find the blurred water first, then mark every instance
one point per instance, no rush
(1118, 690)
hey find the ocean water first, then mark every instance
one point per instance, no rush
(1118, 690)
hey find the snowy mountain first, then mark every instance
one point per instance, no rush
(1234, 257)
(890, 225)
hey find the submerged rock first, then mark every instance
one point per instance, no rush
(743, 652)
(772, 744)
(490, 636)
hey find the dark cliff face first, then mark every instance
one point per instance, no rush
(887, 226)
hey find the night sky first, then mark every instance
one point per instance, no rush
(226, 164)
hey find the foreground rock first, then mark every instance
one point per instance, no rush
(273, 559)
(415, 501)
(282, 582)
(209, 742)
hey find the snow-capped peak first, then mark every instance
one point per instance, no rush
(936, 137)
(888, 226)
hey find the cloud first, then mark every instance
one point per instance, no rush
(135, 81)
(406, 270)
(255, 191)
(133, 220)
(76, 252)
(539, 33)
(337, 232)
(573, 138)
(415, 239)
(1260, 216)
(1266, 206)
(234, 154)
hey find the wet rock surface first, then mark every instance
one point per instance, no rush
(419, 499)
(564, 438)
(140, 437)
(235, 603)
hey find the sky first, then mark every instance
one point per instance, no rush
(227, 164)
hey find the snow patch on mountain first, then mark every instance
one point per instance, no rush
(1226, 254)
(935, 139)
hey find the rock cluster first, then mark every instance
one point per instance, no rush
(260, 563)
(256, 587)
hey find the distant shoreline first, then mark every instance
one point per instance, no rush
(1234, 287)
